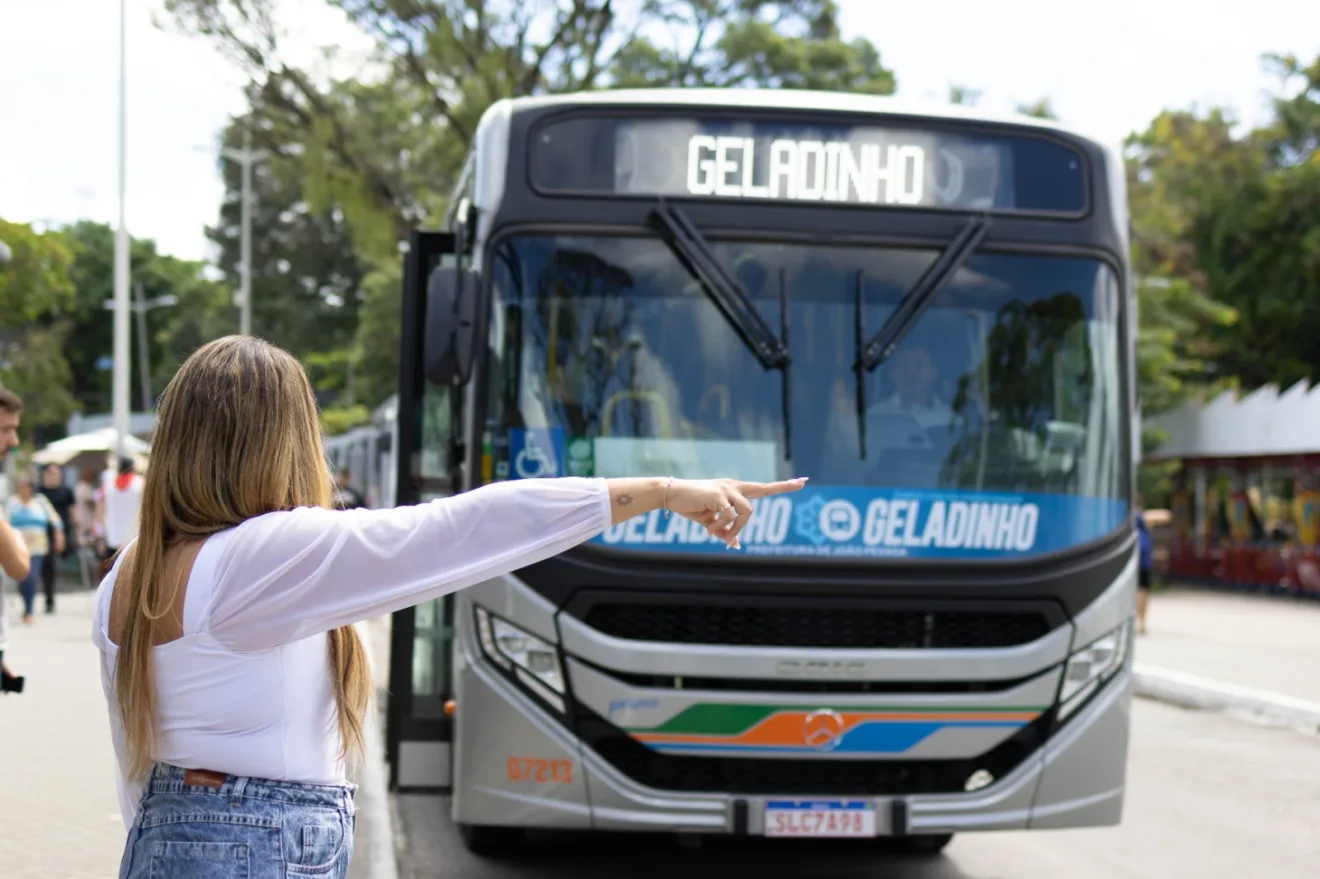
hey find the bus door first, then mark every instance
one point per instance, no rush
(419, 729)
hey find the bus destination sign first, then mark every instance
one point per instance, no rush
(809, 170)
(808, 162)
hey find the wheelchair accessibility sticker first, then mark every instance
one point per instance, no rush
(536, 452)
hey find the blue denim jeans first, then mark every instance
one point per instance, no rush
(27, 587)
(194, 824)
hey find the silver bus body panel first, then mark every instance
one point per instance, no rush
(496, 722)
(803, 100)
(780, 663)
(507, 597)
(1069, 782)
(1113, 607)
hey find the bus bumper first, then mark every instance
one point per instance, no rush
(518, 767)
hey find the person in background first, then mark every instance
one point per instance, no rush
(1145, 567)
(121, 498)
(916, 381)
(15, 560)
(33, 517)
(60, 496)
(88, 536)
(84, 494)
(346, 496)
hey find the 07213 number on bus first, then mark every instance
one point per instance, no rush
(540, 770)
(814, 818)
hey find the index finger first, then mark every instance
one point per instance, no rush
(763, 489)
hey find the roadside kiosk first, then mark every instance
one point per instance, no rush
(1245, 503)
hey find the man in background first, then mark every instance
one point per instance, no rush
(61, 498)
(916, 377)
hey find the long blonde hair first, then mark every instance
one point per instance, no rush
(237, 435)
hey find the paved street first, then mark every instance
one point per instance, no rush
(1266, 642)
(57, 784)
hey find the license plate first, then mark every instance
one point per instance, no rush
(819, 818)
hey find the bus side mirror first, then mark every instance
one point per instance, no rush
(449, 339)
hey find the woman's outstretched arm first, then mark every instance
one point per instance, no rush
(287, 576)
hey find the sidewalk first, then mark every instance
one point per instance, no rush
(57, 786)
(57, 783)
(1250, 646)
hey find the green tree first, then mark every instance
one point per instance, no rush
(34, 288)
(1257, 240)
(376, 350)
(35, 367)
(1294, 138)
(964, 96)
(35, 279)
(204, 311)
(201, 313)
(1041, 108)
(386, 153)
(1174, 169)
(1226, 227)
(306, 275)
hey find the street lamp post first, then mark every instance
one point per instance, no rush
(140, 307)
(246, 157)
(120, 402)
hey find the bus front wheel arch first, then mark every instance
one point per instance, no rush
(490, 841)
(919, 844)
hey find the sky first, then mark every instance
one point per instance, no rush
(1108, 67)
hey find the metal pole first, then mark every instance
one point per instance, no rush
(246, 158)
(121, 337)
(144, 359)
(245, 278)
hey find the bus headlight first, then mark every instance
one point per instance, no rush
(1089, 668)
(533, 662)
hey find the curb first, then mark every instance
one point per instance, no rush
(1203, 694)
(373, 788)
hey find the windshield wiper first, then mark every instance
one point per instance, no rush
(886, 340)
(883, 344)
(728, 295)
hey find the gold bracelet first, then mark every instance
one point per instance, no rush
(665, 505)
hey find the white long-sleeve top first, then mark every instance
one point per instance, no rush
(246, 690)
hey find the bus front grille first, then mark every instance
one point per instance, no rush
(806, 626)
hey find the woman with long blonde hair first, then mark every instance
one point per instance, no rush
(236, 685)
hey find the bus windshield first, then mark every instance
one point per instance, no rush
(995, 429)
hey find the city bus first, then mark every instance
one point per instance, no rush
(926, 310)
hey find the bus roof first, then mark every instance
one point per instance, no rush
(786, 99)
